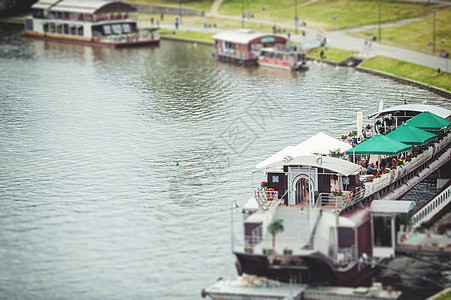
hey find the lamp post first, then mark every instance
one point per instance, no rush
(180, 11)
(242, 13)
(379, 17)
(433, 32)
(296, 16)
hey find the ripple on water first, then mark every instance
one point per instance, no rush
(93, 204)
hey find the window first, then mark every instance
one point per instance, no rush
(345, 237)
(107, 29)
(117, 29)
(126, 28)
(275, 178)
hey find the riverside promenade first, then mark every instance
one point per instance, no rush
(340, 40)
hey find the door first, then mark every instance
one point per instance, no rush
(302, 189)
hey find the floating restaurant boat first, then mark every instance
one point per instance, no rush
(96, 23)
(243, 46)
(283, 57)
(316, 219)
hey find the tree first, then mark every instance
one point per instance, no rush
(274, 228)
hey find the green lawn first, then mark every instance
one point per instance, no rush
(331, 54)
(317, 13)
(418, 35)
(191, 35)
(12, 20)
(409, 70)
(362, 12)
(195, 4)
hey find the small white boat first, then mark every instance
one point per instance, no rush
(249, 287)
(283, 57)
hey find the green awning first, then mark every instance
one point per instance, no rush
(379, 144)
(411, 135)
(429, 121)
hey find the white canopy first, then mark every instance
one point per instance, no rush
(279, 156)
(338, 165)
(437, 110)
(243, 36)
(321, 143)
(391, 206)
(305, 154)
(84, 6)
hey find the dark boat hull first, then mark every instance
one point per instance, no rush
(307, 270)
(90, 42)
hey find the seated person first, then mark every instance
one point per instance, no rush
(371, 169)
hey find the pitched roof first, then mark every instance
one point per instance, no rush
(243, 36)
(439, 111)
(322, 143)
(84, 6)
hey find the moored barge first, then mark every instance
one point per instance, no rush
(243, 46)
(97, 23)
(283, 57)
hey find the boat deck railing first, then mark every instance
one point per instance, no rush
(128, 38)
(87, 17)
(348, 198)
(374, 184)
(264, 197)
(428, 211)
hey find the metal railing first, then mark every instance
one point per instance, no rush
(265, 196)
(432, 208)
(129, 38)
(331, 201)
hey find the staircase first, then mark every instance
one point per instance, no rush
(296, 232)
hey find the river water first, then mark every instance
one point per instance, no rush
(118, 167)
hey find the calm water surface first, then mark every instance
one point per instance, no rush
(117, 167)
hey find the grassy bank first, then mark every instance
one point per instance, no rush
(12, 21)
(190, 35)
(195, 4)
(331, 54)
(317, 14)
(410, 71)
(418, 35)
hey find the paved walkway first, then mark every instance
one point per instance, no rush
(339, 39)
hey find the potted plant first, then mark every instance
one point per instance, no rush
(287, 251)
(249, 249)
(337, 192)
(274, 228)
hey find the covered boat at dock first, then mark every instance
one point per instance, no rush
(243, 46)
(325, 205)
(97, 23)
(283, 57)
